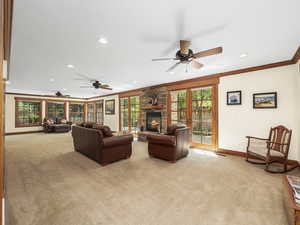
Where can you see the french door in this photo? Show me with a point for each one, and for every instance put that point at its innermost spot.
(130, 113)
(197, 108)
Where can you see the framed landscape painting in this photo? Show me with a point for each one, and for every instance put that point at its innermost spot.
(234, 97)
(265, 100)
(110, 107)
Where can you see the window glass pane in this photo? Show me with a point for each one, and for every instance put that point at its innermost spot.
(76, 112)
(56, 110)
(202, 115)
(28, 113)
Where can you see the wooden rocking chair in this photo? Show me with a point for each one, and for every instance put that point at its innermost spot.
(271, 150)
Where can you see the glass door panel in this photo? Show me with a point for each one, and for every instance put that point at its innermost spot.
(202, 118)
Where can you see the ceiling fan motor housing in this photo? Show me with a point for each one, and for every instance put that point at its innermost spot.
(184, 58)
(96, 84)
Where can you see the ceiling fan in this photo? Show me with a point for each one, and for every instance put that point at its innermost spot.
(186, 56)
(59, 94)
(92, 83)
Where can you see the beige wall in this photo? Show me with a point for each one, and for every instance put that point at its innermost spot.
(238, 121)
(10, 112)
(111, 120)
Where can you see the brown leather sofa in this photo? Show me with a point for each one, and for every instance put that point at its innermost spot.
(56, 125)
(96, 145)
(171, 146)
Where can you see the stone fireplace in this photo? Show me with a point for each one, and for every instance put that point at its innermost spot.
(158, 110)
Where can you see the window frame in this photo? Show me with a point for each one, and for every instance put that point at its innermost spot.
(16, 112)
(84, 110)
(103, 113)
(55, 101)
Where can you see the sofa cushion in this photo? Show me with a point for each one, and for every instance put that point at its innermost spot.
(89, 124)
(105, 130)
(117, 140)
(172, 128)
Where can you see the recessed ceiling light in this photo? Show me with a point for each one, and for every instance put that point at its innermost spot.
(70, 66)
(134, 81)
(172, 72)
(51, 79)
(64, 89)
(7, 82)
(103, 40)
(243, 55)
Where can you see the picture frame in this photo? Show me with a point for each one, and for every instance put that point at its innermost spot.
(234, 97)
(266, 100)
(110, 107)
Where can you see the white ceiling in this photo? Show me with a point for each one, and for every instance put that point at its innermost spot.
(50, 34)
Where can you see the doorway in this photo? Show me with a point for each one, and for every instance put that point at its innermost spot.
(197, 108)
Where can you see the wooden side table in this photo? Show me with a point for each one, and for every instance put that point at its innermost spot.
(291, 207)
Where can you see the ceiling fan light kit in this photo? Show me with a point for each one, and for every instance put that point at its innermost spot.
(186, 56)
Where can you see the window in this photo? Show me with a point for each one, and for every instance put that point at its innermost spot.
(28, 113)
(130, 113)
(178, 106)
(91, 112)
(134, 112)
(76, 112)
(124, 113)
(99, 112)
(56, 110)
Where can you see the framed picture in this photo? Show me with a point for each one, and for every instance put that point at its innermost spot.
(234, 97)
(110, 107)
(265, 100)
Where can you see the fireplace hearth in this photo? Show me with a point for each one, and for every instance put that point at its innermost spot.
(153, 121)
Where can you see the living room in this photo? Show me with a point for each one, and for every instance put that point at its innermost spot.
(183, 118)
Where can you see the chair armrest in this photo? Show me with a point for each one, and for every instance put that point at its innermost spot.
(117, 140)
(161, 139)
(262, 139)
(276, 143)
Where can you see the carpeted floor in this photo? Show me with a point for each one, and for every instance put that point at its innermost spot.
(49, 183)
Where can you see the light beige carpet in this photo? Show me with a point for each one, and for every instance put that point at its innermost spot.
(49, 183)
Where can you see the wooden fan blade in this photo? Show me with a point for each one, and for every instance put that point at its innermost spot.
(196, 64)
(104, 85)
(107, 88)
(209, 52)
(163, 59)
(173, 67)
(184, 47)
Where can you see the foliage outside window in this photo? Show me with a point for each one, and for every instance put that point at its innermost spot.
(134, 112)
(99, 112)
(56, 110)
(76, 112)
(178, 106)
(202, 115)
(124, 102)
(130, 113)
(28, 113)
(91, 112)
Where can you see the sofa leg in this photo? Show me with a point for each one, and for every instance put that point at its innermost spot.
(173, 161)
(103, 164)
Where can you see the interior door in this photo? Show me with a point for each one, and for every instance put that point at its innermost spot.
(197, 108)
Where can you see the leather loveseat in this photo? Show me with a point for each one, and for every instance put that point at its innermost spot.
(98, 143)
(171, 146)
(56, 126)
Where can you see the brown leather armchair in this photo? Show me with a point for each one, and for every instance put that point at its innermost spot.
(92, 143)
(171, 146)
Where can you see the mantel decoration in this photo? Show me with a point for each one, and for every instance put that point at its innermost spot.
(265, 100)
(234, 97)
(152, 94)
(110, 107)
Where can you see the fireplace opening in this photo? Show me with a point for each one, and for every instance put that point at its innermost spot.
(153, 121)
